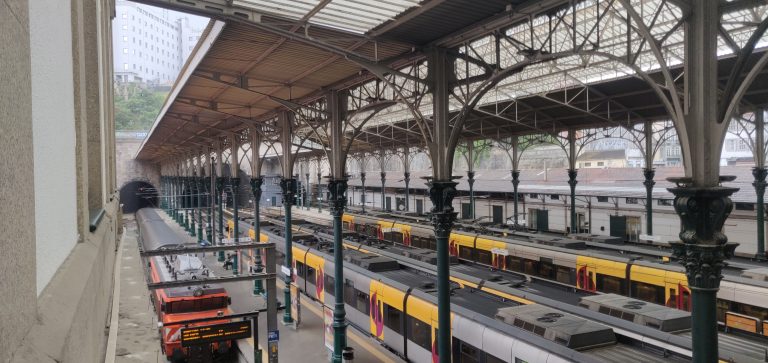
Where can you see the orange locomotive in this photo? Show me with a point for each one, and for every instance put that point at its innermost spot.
(179, 304)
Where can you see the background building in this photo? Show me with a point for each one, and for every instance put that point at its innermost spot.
(152, 44)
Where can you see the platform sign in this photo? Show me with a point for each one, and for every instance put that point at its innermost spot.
(328, 327)
(207, 334)
(273, 336)
(295, 304)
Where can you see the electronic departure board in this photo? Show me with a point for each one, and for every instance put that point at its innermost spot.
(197, 335)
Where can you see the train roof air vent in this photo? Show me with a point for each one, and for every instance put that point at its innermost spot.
(570, 330)
(640, 312)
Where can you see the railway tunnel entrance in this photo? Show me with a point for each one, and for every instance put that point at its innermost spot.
(138, 194)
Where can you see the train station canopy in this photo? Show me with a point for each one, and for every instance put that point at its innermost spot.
(565, 65)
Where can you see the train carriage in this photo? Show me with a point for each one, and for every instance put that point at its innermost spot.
(174, 306)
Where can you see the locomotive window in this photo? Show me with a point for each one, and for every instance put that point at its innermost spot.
(648, 292)
(465, 252)
(392, 319)
(610, 284)
(751, 310)
(199, 304)
(300, 269)
(546, 269)
(419, 333)
(329, 284)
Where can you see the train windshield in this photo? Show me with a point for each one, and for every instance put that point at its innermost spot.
(196, 305)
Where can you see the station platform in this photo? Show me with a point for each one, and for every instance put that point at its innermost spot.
(133, 333)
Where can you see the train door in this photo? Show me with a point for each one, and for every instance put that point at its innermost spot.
(678, 296)
(497, 212)
(419, 206)
(585, 273)
(618, 226)
(633, 228)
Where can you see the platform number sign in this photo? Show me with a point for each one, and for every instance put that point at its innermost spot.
(273, 336)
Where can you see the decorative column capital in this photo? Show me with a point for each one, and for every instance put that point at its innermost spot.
(759, 174)
(362, 177)
(338, 189)
(383, 176)
(649, 173)
(572, 173)
(442, 215)
(288, 188)
(471, 177)
(407, 176)
(220, 184)
(515, 177)
(704, 247)
(256, 187)
(234, 183)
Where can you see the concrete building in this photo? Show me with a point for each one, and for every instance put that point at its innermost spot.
(151, 45)
(60, 212)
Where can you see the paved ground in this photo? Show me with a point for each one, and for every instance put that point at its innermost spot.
(137, 339)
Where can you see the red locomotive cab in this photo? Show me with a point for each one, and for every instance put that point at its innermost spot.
(200, 305)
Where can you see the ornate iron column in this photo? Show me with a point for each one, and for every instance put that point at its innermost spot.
(256, 183)
(572, 183)
(319, 194)
(407, 180)
(649, 173)
(288, 187)
(199, 185)
(362, 181)
(187, 204)
(208, 185)
(307, 191)
(442, 193)
(220, 197)
(383, 180)
(234, 184)
(703, 251)
(515, 183)
(471, 182)
(338, 189)
(759, 184)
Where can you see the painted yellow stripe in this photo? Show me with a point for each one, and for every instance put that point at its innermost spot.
(351, 334)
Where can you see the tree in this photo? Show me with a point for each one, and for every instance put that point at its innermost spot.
(137, 108)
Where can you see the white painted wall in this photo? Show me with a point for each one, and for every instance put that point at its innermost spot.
(53, 125)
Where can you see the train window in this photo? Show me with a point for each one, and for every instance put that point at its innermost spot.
(483, 257)
(530, 267)
(514, 263)
(329, 283)
(751, 310)
(311, 275)
(546, 269)
(723, 306)
(491, 359)
(566, 275)
(362, 300)
(198, 304)
(392, 319)
(610, 284)
(465, 353)
(419, 333)
(648, 292)
(465, 252)
(349, 293)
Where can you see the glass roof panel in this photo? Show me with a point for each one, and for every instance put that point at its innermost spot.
(356, 16)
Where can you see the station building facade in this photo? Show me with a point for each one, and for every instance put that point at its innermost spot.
(59, 218)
